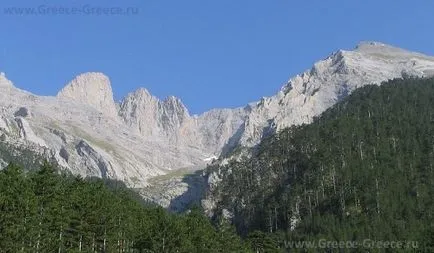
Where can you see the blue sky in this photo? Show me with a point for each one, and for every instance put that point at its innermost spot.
(211, 54)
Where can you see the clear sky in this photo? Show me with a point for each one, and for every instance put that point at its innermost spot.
(210, 53)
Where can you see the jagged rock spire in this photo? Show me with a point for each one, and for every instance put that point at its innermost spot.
(152, 116)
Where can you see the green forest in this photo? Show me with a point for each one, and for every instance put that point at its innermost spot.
(362, 170)
(44, 211)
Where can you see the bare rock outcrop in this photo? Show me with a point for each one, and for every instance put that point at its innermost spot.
(92, 89)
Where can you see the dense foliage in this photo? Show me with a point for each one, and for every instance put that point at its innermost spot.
(362, 170)
(42, 211)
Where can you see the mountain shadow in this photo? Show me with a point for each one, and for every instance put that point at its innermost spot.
(196, 188)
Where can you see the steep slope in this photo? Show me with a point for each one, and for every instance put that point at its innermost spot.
(151, 117)
(309, 94)
(169, 120)
(144, 137)
(92, 89)
(363, 169)
(4, 82)
(86, 140)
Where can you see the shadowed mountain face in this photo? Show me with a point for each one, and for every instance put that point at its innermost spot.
(142, 137)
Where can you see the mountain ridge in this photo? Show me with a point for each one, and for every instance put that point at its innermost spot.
(363, 168)
(142, 136)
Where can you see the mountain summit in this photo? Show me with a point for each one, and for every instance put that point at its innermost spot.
(143, 137)
(151, 116)
(91, 88)
(4, 82)
(312, 92)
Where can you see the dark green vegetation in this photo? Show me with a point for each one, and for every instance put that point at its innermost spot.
(42, 211)
(363, 170)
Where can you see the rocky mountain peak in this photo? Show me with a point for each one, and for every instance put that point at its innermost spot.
(92, 88)
(142, 92)
(383, 51)
(175, 104)
(370, 44)
(379, 47)
(4, 82)
(153, 136)
(138, 101)
(173, 99)
(141, 98)
(152, 116)
(329, 80)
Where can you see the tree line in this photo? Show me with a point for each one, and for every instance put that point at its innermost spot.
(361, 170)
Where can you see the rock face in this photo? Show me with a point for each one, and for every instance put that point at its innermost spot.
(151, 117)
(4, 82)
(144, 137)
(26, 132)
(92, 89)
(85, 137)
(22, 112)
(309, 94)
(170, 121)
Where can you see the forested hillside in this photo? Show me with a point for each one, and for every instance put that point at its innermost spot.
(43, 211)
(362, 170)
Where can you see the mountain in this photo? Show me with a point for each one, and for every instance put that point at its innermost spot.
(361, 170)
(92, 89)
(170, 121)
(142, 137)
(329, 80)
(85, 135)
